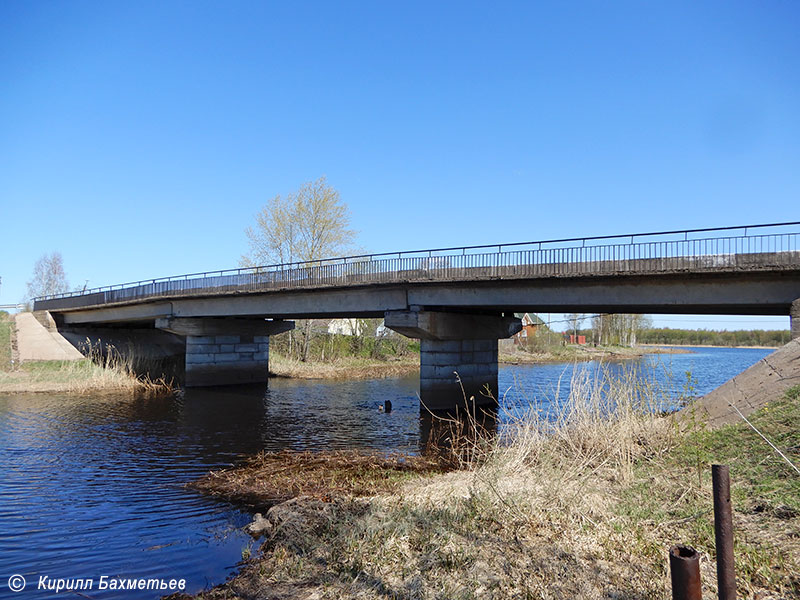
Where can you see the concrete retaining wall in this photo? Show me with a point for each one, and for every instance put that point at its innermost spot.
(751, 389)
(37, 342)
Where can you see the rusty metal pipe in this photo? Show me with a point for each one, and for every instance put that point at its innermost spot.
(684, 568)
(723, 532)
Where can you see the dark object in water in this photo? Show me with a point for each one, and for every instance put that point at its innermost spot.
(386, 406)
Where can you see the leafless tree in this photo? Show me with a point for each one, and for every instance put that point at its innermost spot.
(48, 276)
(619, 329)
(304, 226)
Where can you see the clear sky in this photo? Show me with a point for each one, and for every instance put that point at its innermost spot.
(140, 138)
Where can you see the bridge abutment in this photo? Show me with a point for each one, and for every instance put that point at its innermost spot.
(225, 351)
(794, 316)
(458, 355)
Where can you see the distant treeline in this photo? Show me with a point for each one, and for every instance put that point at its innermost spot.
(706, 337)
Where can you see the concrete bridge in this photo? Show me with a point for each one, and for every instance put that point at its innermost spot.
(457, 301)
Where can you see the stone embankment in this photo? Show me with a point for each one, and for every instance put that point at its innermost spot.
(750, 390)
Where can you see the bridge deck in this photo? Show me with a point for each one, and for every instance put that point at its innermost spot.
(774, 252)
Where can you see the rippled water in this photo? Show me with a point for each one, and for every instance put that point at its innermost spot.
(93, 486)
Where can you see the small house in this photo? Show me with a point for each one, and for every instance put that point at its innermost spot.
(530, 325)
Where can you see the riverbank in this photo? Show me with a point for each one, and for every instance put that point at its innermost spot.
(369, 368)
(585, 508)
(108, 375)
(76, 377)
(574, 353)
(707, 346)
(351, 367)
(6, 334)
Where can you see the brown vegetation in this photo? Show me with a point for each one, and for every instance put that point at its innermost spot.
(273, 477)
(107, 372)
(582, 507)
(352, 367)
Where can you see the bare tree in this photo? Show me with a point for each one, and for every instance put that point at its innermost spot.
(48, 276)
(618, 329)
(304, 226)
(308, 225)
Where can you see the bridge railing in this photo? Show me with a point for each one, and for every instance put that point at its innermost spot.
(751, 247)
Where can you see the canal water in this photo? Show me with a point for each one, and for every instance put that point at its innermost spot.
(93, 486)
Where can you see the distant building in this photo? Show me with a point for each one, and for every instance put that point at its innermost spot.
(573, 339)
(345, 326)
(530, 325)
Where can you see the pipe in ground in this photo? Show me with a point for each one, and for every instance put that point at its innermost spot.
(723, 532)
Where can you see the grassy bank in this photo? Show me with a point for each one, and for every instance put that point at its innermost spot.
(571, 353)
(76, 377)
(6, 323)
(358, 367)
(346, 367)
(103, 374)
(585, 507)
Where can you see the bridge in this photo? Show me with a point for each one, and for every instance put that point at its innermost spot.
(457, 301)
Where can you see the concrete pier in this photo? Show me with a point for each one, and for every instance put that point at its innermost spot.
(458, 355)
(225, 351)
(795, 319)
(443, 364)
(226, 359)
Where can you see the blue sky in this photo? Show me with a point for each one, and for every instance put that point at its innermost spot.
(139, 139)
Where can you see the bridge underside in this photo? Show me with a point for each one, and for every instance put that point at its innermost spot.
(460, 338)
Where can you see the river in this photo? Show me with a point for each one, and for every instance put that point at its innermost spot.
(93, 486)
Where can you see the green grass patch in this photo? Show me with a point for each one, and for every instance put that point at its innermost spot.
(45, 367)
(6, 323)
(761, 479)
(674, 494)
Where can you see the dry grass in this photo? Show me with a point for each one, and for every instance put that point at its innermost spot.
(585, 506)
(343, 368)
(273, 477)
(102, 372)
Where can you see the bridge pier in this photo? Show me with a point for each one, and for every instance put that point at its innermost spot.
(225, 351)
(456, 351)
(794, 316)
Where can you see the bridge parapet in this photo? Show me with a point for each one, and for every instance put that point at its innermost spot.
(733, 249)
